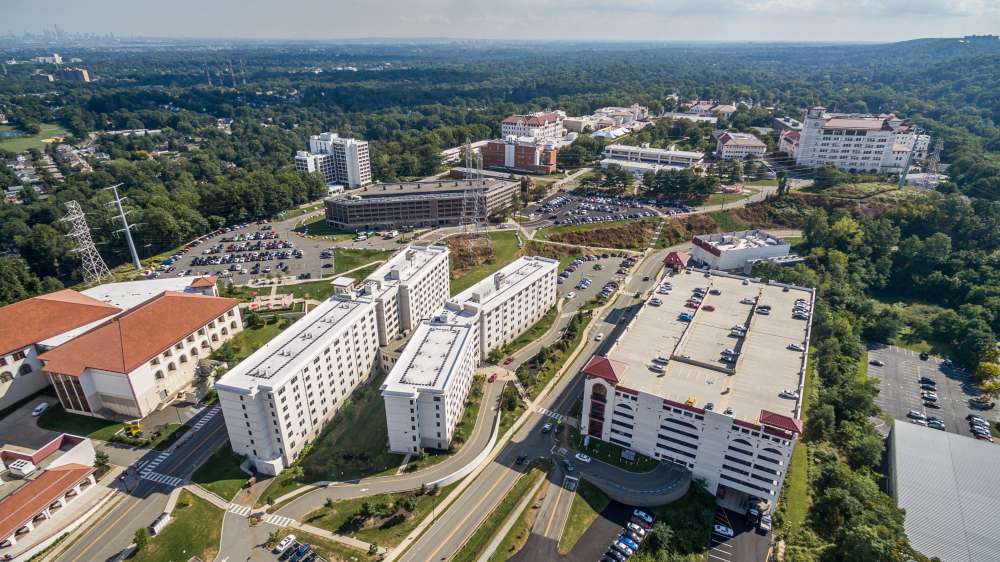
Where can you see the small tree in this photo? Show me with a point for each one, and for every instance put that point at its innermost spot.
(101, 459)
(141, 539)
(372, 549)
(328, 503)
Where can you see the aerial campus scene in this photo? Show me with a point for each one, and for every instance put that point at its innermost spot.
(656, 281)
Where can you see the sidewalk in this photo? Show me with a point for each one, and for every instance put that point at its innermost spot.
(349, 541)
(511, 520)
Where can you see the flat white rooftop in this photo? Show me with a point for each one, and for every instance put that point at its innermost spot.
(741, 240)
(695, 371)
(510, 279)
(432, 354)
(289, 351)
(406, 264)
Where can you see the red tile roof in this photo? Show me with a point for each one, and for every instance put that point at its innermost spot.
(533, 120)
(127, 341)
(42, 317)
(607, 369)
(677, 258)
(871, 123)
(780, 421)
(29, 500)
(204, 282)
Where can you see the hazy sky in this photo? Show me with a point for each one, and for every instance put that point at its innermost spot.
(758, 20)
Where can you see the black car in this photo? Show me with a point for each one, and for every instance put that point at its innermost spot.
(924, 356)
(520, 459)
(927, 380)
(932, 405)
(289, 551)
(615, 555)
(925, 386)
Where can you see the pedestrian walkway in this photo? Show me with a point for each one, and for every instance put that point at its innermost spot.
(147, 467)
(171, 481)
(549, 413)
(241, 510)
(279, 520)
(209, 414)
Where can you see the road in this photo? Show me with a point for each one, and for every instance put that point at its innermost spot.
(147, 486)
(445, 537)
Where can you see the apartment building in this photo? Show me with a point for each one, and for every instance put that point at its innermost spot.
(738, 146)
(131, 364)
(857, 142)
(341, 160)
(788, 142)
(715, 391)
(526, 154)
(71, 74)
(511, 300)
(539, 125)
(418, 204)
(277, 400)
(426, 390)
(408, 288)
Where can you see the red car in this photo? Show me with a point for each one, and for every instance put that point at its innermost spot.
(508, 360)
(492, 378)
(708, 308)
(690, 304)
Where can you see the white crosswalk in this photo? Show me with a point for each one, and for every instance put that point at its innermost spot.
(238, 509)
(278, 520)
(549, 413)
(147, 467)
(171, 481)
(211, 413)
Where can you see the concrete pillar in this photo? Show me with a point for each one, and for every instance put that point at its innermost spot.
(61, 502)
(76, 489)
(12, 539)
(30, 526)
(90, 478)
(47, 513)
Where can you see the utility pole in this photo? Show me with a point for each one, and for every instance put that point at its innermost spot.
(126, 227)
(243, 69)
(94, 268)
(209, 76)
(906, 169)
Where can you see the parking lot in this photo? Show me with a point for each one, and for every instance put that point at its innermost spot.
(567, 208)
(746, 544)
(249, 251)
(571, 283)
(900, 391)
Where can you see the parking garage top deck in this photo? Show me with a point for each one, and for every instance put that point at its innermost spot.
(695, 372)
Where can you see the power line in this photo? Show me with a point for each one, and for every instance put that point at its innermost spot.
(94, 268)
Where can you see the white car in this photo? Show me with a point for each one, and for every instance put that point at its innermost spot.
(916, 414)
(796, 347)
(633, 528)
(582, 457)
(789, 394)
(599, 337)
(723, 530)
(570, 294)
(40, 409)
(284, 543)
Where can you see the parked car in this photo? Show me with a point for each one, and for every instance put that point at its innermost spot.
(547, 428)
(284, 543)
(916, 414)
(924, 356)
(628, 542)
(723, 530)
(599, 336)
(643, 516)
(40, 409)
(582, 458)
(876, 363)
(623, 548)
(796, 347)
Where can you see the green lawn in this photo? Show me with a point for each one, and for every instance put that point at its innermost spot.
(57, 419)
(319, 228)
(195, 530)
(519, 533)
(221, 474)
(248, 341)
(346, 259)
(530, 335)
(504, 251)
(299, 211)
(169, 434)
(484, 534)
(339, 518)
(588, 226)
(612, 454)
(318, 290)
(354, 444)
(727, 221)
(795, 498)
(535, 381)
(587, 505)
(23, 143)
(720, 198)
(468, 422)
(509, 415)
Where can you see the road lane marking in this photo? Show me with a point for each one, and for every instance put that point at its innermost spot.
(483, 498)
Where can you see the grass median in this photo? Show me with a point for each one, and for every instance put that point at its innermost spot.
(520, 531)
(195, 530)
(477, 543)
(469, 266)
(588, 503)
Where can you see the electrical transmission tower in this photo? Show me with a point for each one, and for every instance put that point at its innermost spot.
(94, 268)
(933, 166)
(126, 227)
(474, 207)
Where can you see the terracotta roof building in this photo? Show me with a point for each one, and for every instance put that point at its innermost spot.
(129, 365)
(738, 146)
(541, 125)
(26, 329)
(35, 502)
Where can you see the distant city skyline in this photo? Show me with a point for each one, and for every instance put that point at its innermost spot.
(600, 20)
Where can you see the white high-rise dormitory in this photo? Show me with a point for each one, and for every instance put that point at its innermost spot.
(426, 390)
(858, 142)
(340, 160)
(279, 398)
